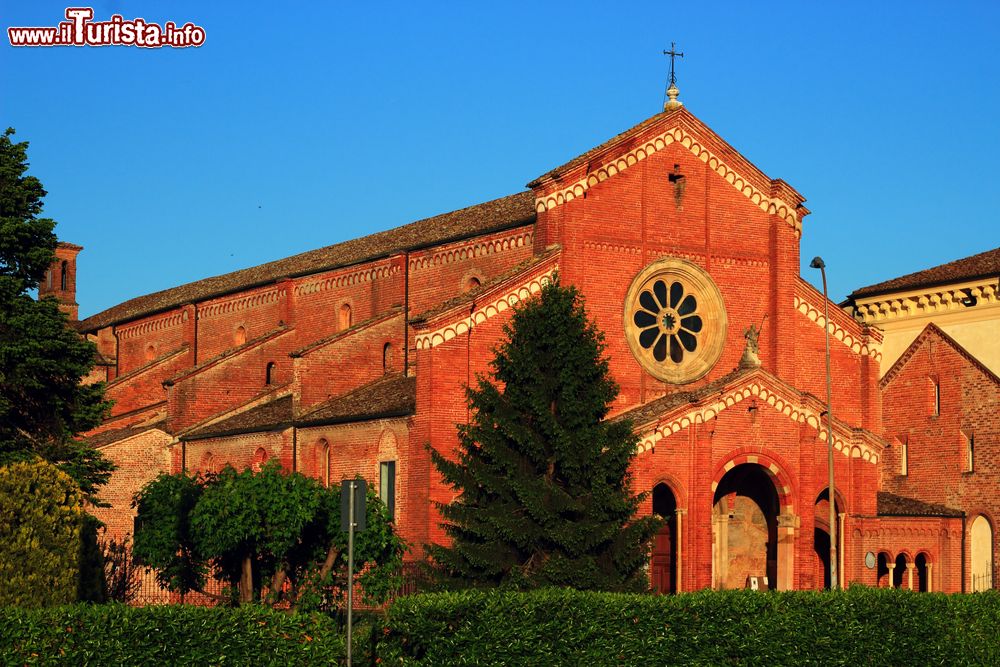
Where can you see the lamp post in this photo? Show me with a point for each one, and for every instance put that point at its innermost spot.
(818, 263)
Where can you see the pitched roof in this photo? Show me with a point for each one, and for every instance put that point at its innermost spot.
(985, 264)
(106, 438)
(264, 417)
(498, 214)
(933, 330)
(889, 504)
(393, 395)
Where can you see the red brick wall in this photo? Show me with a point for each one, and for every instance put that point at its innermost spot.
(239, 451)
(369, 289)
(144, 385)
(442, 272)
(147, 338)
(230, 381)
(347, 362)
(139, 459)
(258, 311)
(970, 404)
(358, 449)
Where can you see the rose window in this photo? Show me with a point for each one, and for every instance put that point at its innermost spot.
(675, 320)
(668, 321)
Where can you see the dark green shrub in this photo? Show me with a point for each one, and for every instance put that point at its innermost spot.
(40, 535)
(91, 584)
(115, 634)
(562, 627)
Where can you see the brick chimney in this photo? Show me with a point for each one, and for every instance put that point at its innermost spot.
(60, 280)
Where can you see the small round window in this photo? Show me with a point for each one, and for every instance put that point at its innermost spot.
(675, 321)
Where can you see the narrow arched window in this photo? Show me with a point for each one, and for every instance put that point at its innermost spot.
(345, 316)
(325, 462)
(150, 353)
(269, 373)
(260, 457)
(969, 451)
(934, 397)
(64, 279)
(240, 336)
(48, 279)
(387, 357)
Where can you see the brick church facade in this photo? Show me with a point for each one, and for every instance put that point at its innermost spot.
(352, 358)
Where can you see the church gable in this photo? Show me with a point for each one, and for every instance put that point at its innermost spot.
(679, 129)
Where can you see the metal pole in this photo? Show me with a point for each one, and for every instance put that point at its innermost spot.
(818, 263)
(350, 571)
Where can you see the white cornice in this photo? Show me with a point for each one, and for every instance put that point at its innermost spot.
(927, 302)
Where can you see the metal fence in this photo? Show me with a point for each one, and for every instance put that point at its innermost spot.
(149, 592)
(982, 581)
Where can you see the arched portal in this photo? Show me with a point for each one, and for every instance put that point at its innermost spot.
(981, 554)
(664, 562)
(745, 528)
(821, 535)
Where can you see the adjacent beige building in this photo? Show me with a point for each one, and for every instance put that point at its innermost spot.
(961, 297)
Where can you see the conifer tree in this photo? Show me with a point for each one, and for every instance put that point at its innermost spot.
(545, 489)
(43, 406)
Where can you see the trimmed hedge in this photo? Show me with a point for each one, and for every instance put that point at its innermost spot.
(860, 626)
(115, 634)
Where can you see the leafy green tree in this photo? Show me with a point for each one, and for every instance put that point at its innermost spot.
(258, 530)
(163, 538)
(41, 519)
(43, 406)
(545, 497)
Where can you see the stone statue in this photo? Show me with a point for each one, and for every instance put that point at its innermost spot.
(751, 352)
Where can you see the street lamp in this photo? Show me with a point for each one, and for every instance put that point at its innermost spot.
(818, 263)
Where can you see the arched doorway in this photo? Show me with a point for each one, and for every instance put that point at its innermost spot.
(664, 561)
(745, 528)
(821, 536)
(981, 554)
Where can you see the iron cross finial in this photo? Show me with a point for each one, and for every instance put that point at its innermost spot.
(670, 101)
(673, 53)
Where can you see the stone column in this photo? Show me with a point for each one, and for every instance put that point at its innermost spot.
(787, 523)
(891, 567)
(720, 549)
(679, 550)
(842, 577)
(909, 575)
(930, 577)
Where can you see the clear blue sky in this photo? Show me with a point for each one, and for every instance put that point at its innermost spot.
(302, 124)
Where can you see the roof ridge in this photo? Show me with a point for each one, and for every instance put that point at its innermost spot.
(980, 265)
(485, 217)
